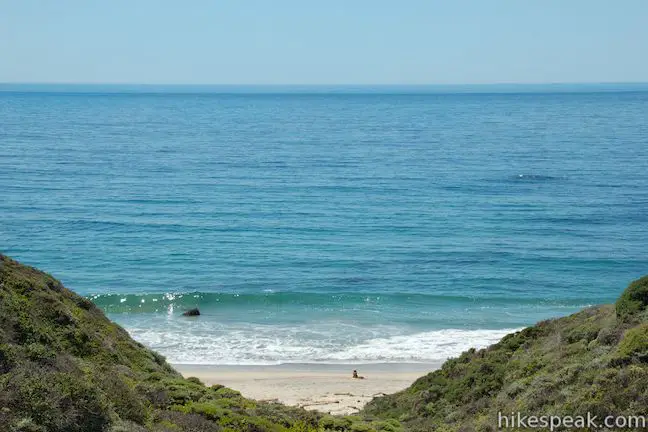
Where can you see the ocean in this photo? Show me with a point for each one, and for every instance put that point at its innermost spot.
(327, 226)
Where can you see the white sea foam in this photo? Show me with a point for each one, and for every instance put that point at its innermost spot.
(420, 347)
(200, 343)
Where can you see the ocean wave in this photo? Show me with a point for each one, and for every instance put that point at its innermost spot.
(163, 302)
(272, 345)
(422, 347)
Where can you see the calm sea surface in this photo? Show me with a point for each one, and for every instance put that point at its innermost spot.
(327, 227)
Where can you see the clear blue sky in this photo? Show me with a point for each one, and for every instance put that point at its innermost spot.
(323, 42)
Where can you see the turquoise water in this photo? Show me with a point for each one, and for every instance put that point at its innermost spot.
(327, 227)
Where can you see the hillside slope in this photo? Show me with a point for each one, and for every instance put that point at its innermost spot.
(594, 361)
(64, 367)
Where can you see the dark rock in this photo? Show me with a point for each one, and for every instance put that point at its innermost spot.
(192, 312)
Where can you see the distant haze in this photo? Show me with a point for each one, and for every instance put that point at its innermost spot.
(334, 42)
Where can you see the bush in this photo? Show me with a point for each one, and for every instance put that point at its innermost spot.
(8, 357)
(227, 393)
(126, 426)
(331, 423)
(608, 336)
(208, 410)
(126, 402)
(361, 427)
(195, 380)
(178, 421)
(39, 353)
(634, 343)
(59, 402)
(27, 425)
(390, 425)
(633, 300)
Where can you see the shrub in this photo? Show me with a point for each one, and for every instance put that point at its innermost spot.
(39, 353)
(361, 427)
(285, 416)
(586, 332)
(302, 427)
(178, 421)
(126, 402)
(194, 380)
(390, 425)
(634, 343)
(227, 393)
(331, 423)
(209, 410)
(126, 426)
(60, 402)
(27, 425)
(608, 336)
(8, 357)
(633, 300)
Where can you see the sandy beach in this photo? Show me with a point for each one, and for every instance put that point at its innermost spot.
(325, 388)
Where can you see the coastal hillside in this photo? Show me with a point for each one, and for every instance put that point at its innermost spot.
(595, 361)
(64, 367)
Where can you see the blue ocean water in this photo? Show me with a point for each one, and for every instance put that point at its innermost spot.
(326, 226)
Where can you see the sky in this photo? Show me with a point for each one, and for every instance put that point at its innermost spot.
(323, 42)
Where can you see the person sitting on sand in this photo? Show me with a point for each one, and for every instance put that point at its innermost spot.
(356, 376)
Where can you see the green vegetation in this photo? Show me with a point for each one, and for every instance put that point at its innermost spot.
(634, 299)
(594, 361)
(65, 367)
(634, 343)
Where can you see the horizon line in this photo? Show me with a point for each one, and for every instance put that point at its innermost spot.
(321, 89)
(502, 83)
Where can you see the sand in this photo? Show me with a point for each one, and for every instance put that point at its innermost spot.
(325, 388)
